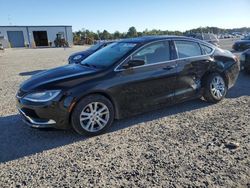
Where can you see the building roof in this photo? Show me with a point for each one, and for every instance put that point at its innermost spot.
(35, 26)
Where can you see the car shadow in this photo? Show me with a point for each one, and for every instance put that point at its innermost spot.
(17, 140)
(165, 112)
(30, 73)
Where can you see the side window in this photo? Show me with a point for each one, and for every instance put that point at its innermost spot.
(206, 49)
(187, 49)
(154, 53)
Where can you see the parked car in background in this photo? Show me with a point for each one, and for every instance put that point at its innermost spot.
(208, 37)
(246, 37)
(79, 56)
(242, 44)
(245, 60)
(126, 78)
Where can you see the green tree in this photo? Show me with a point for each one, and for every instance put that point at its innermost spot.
(132, 32)
(117, 35)
(105, 35)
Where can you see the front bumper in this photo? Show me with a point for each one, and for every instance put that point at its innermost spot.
(36, 123)
(44, 115)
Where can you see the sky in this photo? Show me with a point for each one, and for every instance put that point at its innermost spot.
(119, 15)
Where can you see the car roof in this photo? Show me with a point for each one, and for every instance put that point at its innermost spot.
(146, 39)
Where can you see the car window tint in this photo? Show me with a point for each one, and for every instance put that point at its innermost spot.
(154, 53)
(187, 49)
(95, 46)
(206, 49)
(107, 56)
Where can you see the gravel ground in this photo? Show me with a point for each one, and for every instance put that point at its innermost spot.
(187, 145)
(227, 43)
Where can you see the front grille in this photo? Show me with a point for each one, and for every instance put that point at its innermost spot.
(20, 93)
(29, 112)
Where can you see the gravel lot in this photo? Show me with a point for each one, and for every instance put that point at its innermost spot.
(187, 145)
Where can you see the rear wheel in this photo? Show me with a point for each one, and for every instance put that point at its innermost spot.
(92, 115)
(215, 88)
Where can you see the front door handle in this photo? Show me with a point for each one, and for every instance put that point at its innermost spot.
(169, 67)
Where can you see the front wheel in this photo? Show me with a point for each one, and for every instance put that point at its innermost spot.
(93, 115)
(215, 88)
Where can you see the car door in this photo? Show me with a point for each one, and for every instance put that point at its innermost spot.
(146, 87)
(192, 63)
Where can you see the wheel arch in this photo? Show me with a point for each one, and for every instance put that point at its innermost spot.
(105, 94)
(222, 73)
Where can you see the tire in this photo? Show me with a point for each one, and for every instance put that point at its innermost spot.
(213, 92)
(93, 115)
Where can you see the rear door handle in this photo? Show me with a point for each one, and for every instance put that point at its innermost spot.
(169, 67)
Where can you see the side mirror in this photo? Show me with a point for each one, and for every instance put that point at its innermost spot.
(134, 63)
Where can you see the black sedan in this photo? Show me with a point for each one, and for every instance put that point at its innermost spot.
(79, 56)
(128, 77)
(245, 60)
(242, 45)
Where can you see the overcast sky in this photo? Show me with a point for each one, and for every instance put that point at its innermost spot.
(119, 15)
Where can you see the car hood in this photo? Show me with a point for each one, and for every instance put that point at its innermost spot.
(65, 76)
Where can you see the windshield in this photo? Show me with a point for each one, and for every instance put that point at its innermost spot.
(95, 47)
(109, 55)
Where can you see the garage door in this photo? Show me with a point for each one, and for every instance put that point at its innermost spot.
(16, 38)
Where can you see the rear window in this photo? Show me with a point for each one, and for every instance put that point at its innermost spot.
(206, 49)
(187, 49)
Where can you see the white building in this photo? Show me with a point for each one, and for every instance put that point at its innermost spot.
(34, 36)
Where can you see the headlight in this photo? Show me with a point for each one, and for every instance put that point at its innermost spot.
(243, 57)
(77, 57)
(44, 96)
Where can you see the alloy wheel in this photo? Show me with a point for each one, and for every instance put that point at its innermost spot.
(94, 116)
(217, 87)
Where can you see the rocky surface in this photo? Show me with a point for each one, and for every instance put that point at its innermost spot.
(186, 145)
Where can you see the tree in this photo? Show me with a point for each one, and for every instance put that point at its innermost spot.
(86, 36)
(117, 35)
(77, 39)
(98, 33)
(132, 32)
(105, 35)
